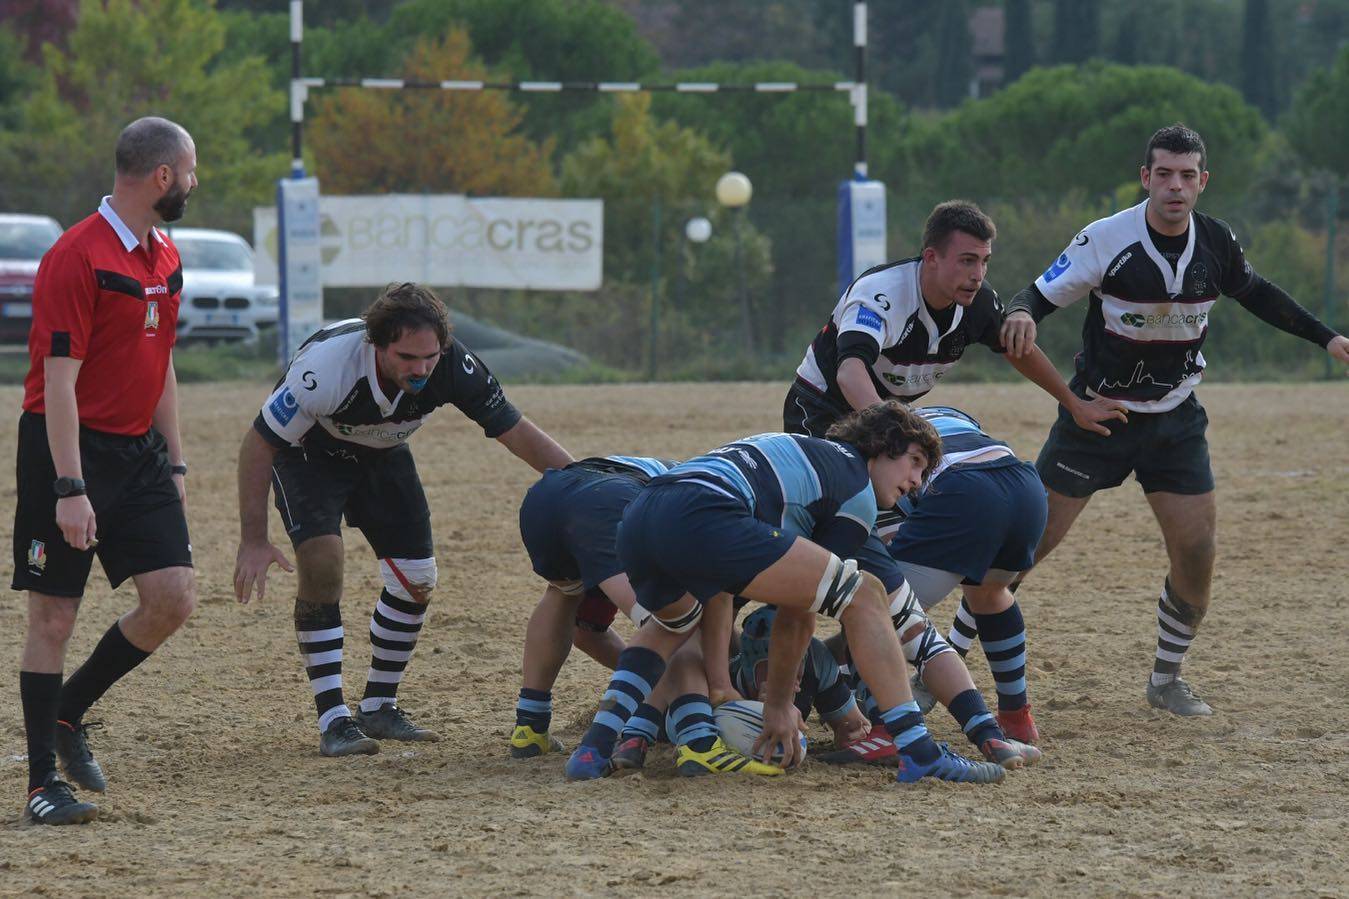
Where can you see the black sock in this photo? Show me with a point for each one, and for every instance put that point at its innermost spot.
(40, 693)
(111, 659)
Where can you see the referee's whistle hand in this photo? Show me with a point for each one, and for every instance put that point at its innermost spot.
(75, 518)
(250, 569)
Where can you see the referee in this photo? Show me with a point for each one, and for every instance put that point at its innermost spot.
(100, 461)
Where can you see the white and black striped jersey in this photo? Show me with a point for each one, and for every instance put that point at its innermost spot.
(330, 397)
(1147, 321)
(883, 320)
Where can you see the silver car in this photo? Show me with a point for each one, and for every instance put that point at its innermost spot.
(23, 241)
(220, 300)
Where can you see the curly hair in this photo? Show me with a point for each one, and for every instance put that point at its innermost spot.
(403, 308)
(888, 429)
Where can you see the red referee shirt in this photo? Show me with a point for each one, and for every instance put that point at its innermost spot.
(101, 297)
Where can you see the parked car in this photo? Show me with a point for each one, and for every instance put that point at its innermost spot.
(220, 300)
(23, 240)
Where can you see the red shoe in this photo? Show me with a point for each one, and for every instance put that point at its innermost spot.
(876, 748)
(1019, 725)
(1011, 754)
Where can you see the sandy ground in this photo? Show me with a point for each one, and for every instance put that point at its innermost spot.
(217, 787)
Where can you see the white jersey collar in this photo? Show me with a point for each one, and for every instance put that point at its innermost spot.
(124, 234)
(934, 334)
(1174, 278)
(386, 406)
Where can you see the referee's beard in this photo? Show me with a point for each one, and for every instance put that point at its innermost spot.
(172, 205)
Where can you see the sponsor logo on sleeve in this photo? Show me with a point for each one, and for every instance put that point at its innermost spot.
(868, 319)
(310, 382)
(1061, 265)
(1081, 239)
(283, 406)
(882, 301)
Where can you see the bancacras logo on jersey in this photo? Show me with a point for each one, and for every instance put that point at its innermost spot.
(283, 406)
(1061, 265)
(1167, 320)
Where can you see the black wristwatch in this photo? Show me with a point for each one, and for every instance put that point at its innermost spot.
(65, 487)
(180, 468)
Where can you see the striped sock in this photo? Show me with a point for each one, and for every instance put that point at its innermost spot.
(535, 709)
(644, 723)
(394, 628)
(1177, 623)
(905, 725)
(1003, 636)
(975, 720)
(690, 722)
(635, 677)
(319, 630)
(963, 630)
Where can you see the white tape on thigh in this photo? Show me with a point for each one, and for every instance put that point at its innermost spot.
(420, 573)
(920, 640)
(569, 588)
(684, 623)
(837, 588)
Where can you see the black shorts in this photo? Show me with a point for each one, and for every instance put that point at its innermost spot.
(1166, 451)
(379, 493)
(141, 525)
(809, 412)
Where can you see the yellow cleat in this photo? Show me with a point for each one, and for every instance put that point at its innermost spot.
(720, 759)
(527, 743)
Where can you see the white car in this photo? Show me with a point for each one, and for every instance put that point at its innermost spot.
(220, 300)
(23, 241)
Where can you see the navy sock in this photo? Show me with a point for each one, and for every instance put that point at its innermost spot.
(534, 709)
(1003, 637)
(644, 723)
(112, 658)
(972, 715)
(905, 725)
(690, 722)
(40, 693)
(638, 671)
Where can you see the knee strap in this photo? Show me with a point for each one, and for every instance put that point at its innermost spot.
(837, 588)
(920, 640)
(402, 576)
(684, 623)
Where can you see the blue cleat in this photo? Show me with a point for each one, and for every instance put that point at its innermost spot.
(949, 766)
(586, 763)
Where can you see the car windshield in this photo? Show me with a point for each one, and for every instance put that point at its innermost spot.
(214, 255)
(27, 240)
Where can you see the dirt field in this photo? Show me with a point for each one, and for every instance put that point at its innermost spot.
(217, 787)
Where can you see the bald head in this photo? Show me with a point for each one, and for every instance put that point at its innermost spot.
(150, 142)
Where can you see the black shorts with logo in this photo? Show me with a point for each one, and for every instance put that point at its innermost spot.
(1166, 451)
(140, 520)
(809, 412)
(378, 492)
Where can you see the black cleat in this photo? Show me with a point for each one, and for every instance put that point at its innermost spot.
(72, 748)
(389, 722)
(345, 737)
(53, 803)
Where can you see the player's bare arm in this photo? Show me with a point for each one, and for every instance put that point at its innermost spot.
(74, 514)
(715, 633)
(855, 381)
(792, 630)
(1088, 414)
(256, 554)
(529, 442)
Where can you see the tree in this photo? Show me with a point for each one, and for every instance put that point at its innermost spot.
(1317, 125)
(1019, 41)
(1077, 30)
(124, 60)
(39, 22)
(1085, 128)
(1257, 58)
(955, 65)
(367, 141)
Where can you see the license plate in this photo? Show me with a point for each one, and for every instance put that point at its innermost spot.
(17, 310)
(222, 318)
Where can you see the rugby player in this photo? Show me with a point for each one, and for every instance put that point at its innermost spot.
(778, 518)
(1153, 272)
(332, 440)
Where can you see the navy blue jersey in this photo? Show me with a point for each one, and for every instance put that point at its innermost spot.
(809, 487)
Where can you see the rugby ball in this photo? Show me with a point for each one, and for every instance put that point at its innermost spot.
(740, 723)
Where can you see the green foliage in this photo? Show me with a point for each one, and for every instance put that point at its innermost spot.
(125, 60)
(1318, 123)
(1084, 128)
